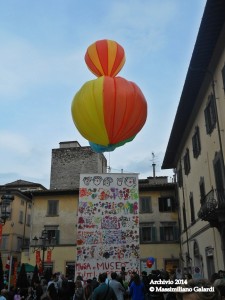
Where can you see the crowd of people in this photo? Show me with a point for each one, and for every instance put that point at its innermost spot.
(120, 286)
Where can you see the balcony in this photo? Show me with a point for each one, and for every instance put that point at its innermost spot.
(213, 207)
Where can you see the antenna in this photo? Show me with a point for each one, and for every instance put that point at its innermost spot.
(153, 164)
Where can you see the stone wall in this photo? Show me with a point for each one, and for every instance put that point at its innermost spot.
(71, 160)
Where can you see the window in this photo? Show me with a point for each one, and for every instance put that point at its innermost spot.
(22, 202)
(145, 205)
(19, 243)
(53, 208)
(70, 269)
(187, 165)
(192, 208)
(4, 242)
(26, 243)
(210, 115)
(218, 171)
(48, 266)
(202, 189)
(223, 76)
(28, 220)
(21, 217)
(53, 234)
(168, 232)
(196, 143)
(147, 233)
(166, 204)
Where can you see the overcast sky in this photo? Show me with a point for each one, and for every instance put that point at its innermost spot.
(42, 48)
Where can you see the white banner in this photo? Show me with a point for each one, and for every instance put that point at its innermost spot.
(108, 224)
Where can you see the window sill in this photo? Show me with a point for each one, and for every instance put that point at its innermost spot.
(52, 215)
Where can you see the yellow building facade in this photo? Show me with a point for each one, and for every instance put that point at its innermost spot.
(54, 211)
(196, 148)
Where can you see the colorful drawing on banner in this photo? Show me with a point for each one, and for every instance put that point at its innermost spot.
(108, 224)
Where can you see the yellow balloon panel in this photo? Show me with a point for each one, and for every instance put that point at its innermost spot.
(88, 114)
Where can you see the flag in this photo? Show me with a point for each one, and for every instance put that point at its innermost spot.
(49, 256)
(7, 266)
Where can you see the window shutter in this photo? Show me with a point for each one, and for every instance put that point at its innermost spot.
(218, 175)
(213, 110)
(57, 233)
(175, 233)
(223, 76)
(173, 205)
(153, 234)
(207, 121)
(161, 233)
(160, 204)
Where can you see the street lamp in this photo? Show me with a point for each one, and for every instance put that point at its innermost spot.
(46, 243)
(5, 207)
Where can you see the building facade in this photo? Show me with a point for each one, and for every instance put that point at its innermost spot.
(196, 148)
(53, 212)
(42, 229)
(15, 233)
(58, 210)
(159, 224)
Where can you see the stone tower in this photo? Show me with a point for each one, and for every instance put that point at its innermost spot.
(70, 160)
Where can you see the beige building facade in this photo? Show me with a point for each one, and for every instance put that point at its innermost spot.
(159, 224)
(16, 230)
(196, 149)
(53, 211)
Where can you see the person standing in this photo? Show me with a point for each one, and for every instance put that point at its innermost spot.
(137, 288)
(117, 287)
(38, 289)
(79, 290)
(103, 291)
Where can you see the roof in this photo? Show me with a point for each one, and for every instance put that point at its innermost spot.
(210, 28)
(55, 192)
(21, 184)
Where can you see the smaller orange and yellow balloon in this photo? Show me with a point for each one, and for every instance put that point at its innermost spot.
(105, 57)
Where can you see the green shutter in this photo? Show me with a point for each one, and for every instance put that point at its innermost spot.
(153, 234)
(175, 233)
(161, 204)
(207, 120)
(161, 233)
(57, 237)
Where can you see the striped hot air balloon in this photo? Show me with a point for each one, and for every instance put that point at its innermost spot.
(105, 57)
(108, 111)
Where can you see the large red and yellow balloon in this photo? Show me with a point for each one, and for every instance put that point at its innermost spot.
(108, 111)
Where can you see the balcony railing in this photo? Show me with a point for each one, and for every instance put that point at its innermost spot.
(208, 208)
(212, 205)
